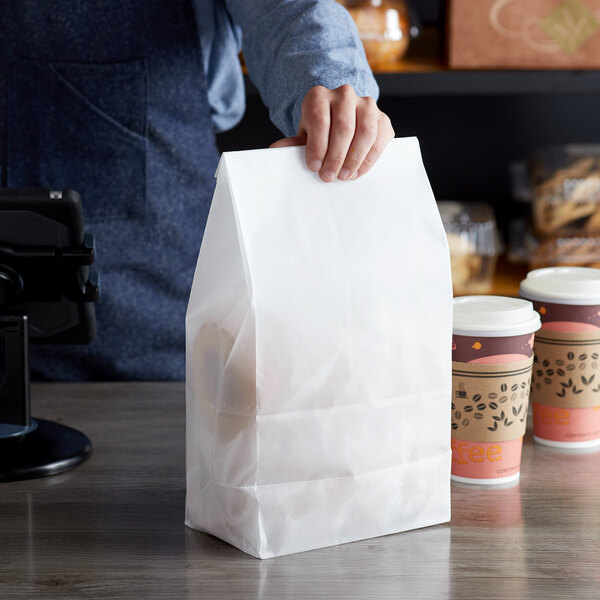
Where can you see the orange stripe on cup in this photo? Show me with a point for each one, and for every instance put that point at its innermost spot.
(566, 424)
(486, 460)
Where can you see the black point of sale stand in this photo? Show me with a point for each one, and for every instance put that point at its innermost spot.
(40, 278)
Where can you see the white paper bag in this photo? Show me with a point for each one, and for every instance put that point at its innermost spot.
(318, 355)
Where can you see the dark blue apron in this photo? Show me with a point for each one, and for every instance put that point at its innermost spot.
(109, 98)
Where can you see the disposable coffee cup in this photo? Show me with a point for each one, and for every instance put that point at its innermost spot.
(492, 355)
(565, 392)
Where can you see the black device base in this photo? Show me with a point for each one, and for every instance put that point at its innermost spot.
(49, 449)
(46, 293)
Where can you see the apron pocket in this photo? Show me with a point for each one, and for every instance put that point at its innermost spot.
(80, 126)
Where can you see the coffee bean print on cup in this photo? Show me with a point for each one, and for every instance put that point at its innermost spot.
(490, 401)
(565, 392)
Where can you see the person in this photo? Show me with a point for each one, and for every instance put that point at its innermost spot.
(120, 100)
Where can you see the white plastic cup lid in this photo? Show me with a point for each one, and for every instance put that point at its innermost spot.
(563, 285)
(494, 316)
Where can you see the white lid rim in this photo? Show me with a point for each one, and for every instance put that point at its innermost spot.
(494, 316)
(578, 286)
(558, 299)
(499, 333)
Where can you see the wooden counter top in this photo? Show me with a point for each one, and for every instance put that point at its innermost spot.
(113, 527)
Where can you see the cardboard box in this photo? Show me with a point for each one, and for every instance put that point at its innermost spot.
(524, 34)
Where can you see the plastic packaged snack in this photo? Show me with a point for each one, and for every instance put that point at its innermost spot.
(474, 245)
(566, 190)
(563, 251)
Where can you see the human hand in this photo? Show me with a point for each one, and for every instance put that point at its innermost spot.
(344, 133)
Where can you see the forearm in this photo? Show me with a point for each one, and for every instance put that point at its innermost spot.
(290, 46)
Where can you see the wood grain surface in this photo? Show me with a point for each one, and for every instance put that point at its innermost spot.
(113, 527)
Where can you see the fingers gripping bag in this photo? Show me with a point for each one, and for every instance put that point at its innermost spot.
(319, 332)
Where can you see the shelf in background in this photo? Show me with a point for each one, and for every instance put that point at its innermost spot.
(422, 72)
(482, 83)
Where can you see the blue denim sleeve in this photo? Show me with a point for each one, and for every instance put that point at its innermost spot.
(220, 41)
(292, 45)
